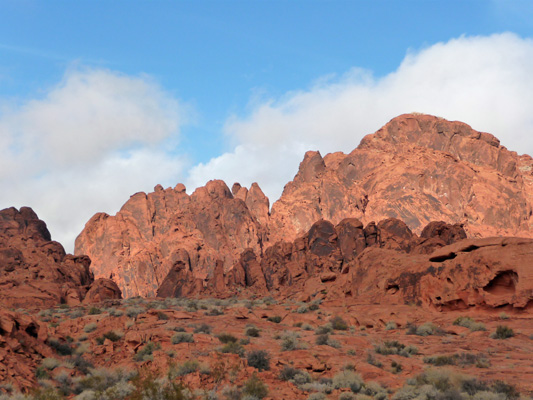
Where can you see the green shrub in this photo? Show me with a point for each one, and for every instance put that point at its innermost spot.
(427, 329)
(395, 347)
(252, 331)
(338, 324)
(226, 338)
(469, 323)
(94, 311)
(134, 311)
(324, 329)
(182, 337)
(391, 325)
(259, 359)
(50, 363)
(161, 316)
(290, 341)
(276, 319)
(89, 327)
(203, 328)
(396, 367)
(155, 389)
(255, 387)
(288, 373)
(348, 380)
(502, 332)
(113, 336)
(233, 347)
(188, 367)
(145, 353)
(63, 349)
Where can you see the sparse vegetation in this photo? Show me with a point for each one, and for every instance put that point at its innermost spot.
(255, 387)
(182, 337)
(469, 323)
(259, 359)
(502, 332)
(395, 347)
(276, 319)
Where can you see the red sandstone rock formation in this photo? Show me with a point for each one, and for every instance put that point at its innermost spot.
(417, 168)
(154, 233)
(36, 272)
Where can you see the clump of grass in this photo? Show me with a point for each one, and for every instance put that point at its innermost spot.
(233, 347)
(502, 332)
(203, 328)
(182, 337)
(469, 323)
(89, 327)
(395, 347)
(276, 319)
(327, 341)
(226, 338)
(259, 359)
(255, 388)
(396, 367)
(188, 367)
(391, 325)
(252, 331)
(145, 353)
(348, 380)
(290, 341)
(338, 324)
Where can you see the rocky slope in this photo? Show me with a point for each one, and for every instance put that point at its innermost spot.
(417, 168)
(36, 272)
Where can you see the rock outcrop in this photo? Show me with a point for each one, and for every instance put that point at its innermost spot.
(167, 229)
(416, 169)
(36, 272)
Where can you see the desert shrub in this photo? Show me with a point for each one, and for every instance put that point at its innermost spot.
(188, 367)
(252, 331)
(177, 328)
(469, 323)
(203, 328)
(60, 348)
(306, 327)
(113, 336)
(50, 363)
(276, 319)
(233, 347)
(134, 311)
(89, 327)
(324, 329)
(81, 364)
(76, 314)
(502, 332)
(326, 340)
(288, 373)
(115, 312)
(214, 312)
(145, 353)
(259, 359)
(504, 315)
(157, 389)
(338, 324)
(373, 360)
(231, 393)
(226, 338)
(161, 316)
(508, 390)
(348, 380)
(102, 381)
(317, 396)
(395, 347)
(255, 387)
(302, 309)
(396, 367)
(182, 337)
(427, 329)
(347, 396)
(301, 378)
(390, 326)
(289, 341)
(94, 311)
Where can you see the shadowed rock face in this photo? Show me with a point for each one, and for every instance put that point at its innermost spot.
(36, 272)
(416, 169)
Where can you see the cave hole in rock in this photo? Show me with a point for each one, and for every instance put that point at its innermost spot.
(32, 330)
(504, 283)
(392, 289)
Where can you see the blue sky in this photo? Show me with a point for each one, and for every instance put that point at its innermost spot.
(100, 99)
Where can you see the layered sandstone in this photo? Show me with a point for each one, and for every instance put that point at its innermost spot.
(36, 272)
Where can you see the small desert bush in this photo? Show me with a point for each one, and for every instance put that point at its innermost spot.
(89, 327)
(348, 380)
(290, 341)
(288, 373)
(276, 319)
(233, 347)
(182, 337)
(134, 311)
(113, 336)
(326, 340)
(94, 311)
(255, 387)
(390, 326)
(502, 332)
(252, 331)
(338, 324)
(259, 359)
(60, 347)
(226, 338)
(203, 328)
(188, 367)
(395, 347)
(469, 323)
(324, 329)
(145, 353)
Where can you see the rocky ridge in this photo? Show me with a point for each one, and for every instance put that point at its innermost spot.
(417, 169)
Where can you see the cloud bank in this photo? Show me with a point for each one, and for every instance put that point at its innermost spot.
(484, 81)
(88, 144)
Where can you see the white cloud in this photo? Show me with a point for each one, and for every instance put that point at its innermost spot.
(86, 146)
(484, 81)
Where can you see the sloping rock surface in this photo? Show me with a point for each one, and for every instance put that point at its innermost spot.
(35, 271)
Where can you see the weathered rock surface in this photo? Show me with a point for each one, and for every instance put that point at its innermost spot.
(35, 271)
(170, 230)
(417, 168)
